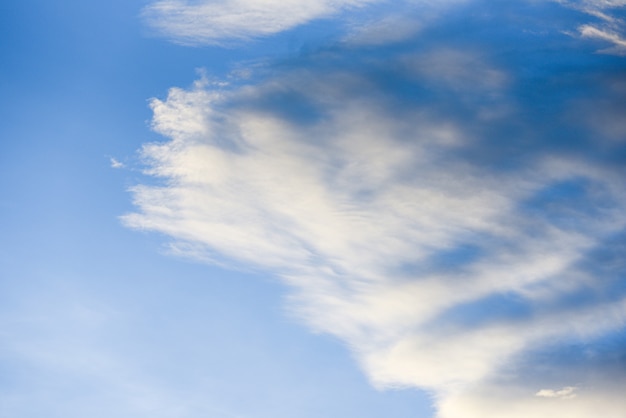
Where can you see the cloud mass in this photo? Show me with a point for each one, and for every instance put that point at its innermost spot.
(439, 208)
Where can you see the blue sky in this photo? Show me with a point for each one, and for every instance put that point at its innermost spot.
(351, 208)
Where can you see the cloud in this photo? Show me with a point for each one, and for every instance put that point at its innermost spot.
(492, 403)
(115, 163)
(565, 393)
(386, 30)
(609, 26)
(214, 22)
(380, 24)
(434, 206)
(619, 48)
(225, 22)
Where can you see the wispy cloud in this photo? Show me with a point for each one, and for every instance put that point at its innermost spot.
(436, 209)
(385, 30)
(214, 22)
(619, 43)
(567, 392)
(609, 27)
(115, 163)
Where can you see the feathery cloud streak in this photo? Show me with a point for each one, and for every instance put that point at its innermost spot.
(456, 218)
(211, 22)
(609, 27)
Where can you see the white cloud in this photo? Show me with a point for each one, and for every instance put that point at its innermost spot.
(568, 392)
(115, 163)
(225, 21)
(493, 402)
(380, 213)
(366, 210)
(610, 28)
(593, 5)
(619, 48)
(212, 22)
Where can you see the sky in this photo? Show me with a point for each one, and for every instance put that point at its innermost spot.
(323, 208)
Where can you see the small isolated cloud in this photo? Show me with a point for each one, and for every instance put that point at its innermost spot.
(215, 22)
(434, 206)
(115, 163)
(568, 392)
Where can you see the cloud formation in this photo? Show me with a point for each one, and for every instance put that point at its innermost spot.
(609, 27)
(115, 163)
(442, 210)
(619, 43)
(567, 392)
(214, 22)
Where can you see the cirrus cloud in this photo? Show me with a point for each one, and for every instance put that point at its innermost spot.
(437, 208)
(213, 22)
